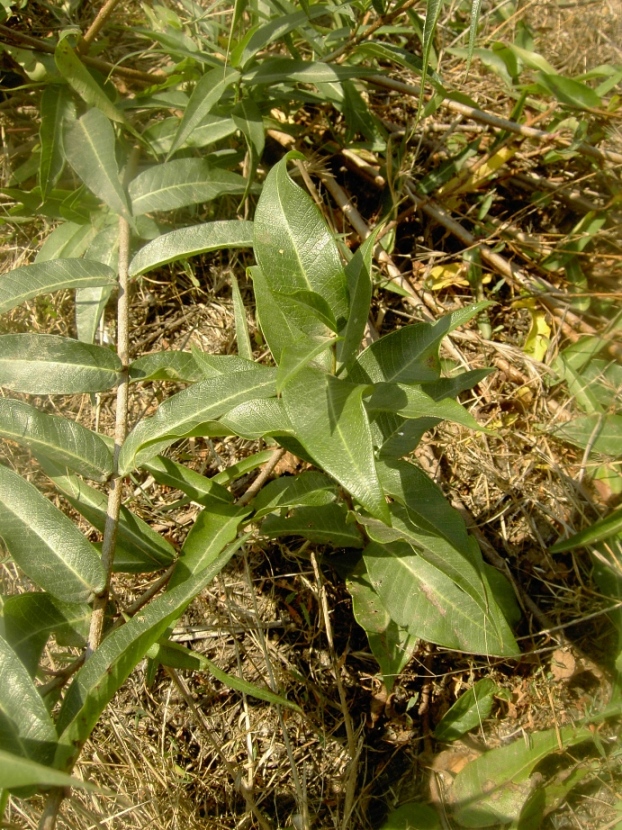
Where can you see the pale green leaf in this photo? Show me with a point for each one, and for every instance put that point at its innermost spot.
(193, 484)
(46, 277)
(46, 545)
(21, 772)
(211, 129)
(311, 489)
(296, 356)
(187, 242)
(412, 816)
(212, 365)
(90, 146)
(599, 531)
(26, 728)
(215, 526)
(110, 665)
(182, 413)
(603, 433)
(570, 92)
(182, 182)
(45, 364)
(166, 366)
(245, 350)
(206, 94)
(290, 70)
(64, 441)
(241, 468)
(257, 419)
(329, 421)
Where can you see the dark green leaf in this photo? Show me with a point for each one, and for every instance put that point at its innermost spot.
(599, 531)
(56, 105)
(311, 489)
(46, 545)
(296, 356)
(413, 816)
(186, 242)
(30, 619)
(215, 526)
(313, 304)
(469, 711)
(45, 364)
(288, 70)
(358, 277)
(330, 422)
(166, 366)
(326, 525)
(169, 472)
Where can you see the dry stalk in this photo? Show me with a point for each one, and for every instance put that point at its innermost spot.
(97, 25)
(353, 750)
(261, 479)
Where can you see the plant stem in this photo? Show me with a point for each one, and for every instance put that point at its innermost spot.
(116, 485)
(100, 20)
(50, 812)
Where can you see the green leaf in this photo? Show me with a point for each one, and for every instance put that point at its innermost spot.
(325, 525)
(20, 772)
(30, 619)
(391, 645)
(207, 93)
(90, 145)
(296, 356)
(79, 78)
(212, 128)
(293, 246)
(602, 433)
(261, 36)
(56, 105)
(410, 354)
(570, 92)
(413, 816)
(433, 10)
(599, 531)
(426, 601)
(311, 489)
(139, 548)
(494, 788)
(257, 419)
(64, 441)
(182, 413)
(212, 365)
(46, 277)
(45, 364)
(245, 350)
(359, 282)
(182, 182)
(469, 711)
(166, 366)
(475, 13)
(288, 70)
(313, 304)
(330, 422)
(26, 728)
(187, 242)
(46, 545)
(197, 487)
(110, 665)
(215, 526)
(413, 402)
(241, 468)
(247, 118)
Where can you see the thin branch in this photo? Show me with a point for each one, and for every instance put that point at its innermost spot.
(101, 18)
(261, 479)
(501, 123)
(50, 812)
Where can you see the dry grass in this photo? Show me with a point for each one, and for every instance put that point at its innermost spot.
(165, 763)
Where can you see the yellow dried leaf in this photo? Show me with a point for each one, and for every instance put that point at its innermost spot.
(442, 276)
(539, 337)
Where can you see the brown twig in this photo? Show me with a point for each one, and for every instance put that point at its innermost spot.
(96, 26)
(261, 479)
(501, 123)
(50, 812)
(381, 21)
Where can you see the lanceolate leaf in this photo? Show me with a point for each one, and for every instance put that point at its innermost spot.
(215, 526)
(58, 438)
(598, 532)
(187, 410)
(258, 419)
(139, 548)
(358, 276)
(26, 728)
(166, 366)
(45, 364)
(46, 277)
(410, 354)
(245, 350)
(55, 106)
(177, 656)
(412, 402)
(182, 182)
(20, 772)
(169, 472)
(108, 668)
(330, 422)
(326, 525)
(204, 98)
(310, 489)
(293, 246)
(424, 600)
(46, 545)
(295, 357)
(73, 70)
(433, 11)
(90, 146)
(30, 619)
(186, 242)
